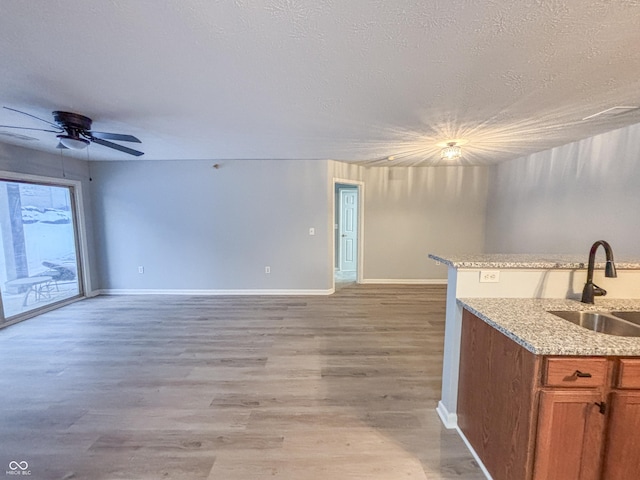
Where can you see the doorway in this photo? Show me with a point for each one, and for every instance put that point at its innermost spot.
(347, 233)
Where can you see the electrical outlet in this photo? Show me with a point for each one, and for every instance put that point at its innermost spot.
(140, 269)
(267, 269)
(312, 231)
(489, 276)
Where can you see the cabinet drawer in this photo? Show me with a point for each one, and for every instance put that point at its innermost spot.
(575, 372)
(629, 373)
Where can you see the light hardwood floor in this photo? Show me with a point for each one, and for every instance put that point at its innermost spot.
(231, 388)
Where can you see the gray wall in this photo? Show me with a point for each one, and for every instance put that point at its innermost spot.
(562, 200)
(196, 227)
(413, 211)
(32, 162)
(410, 212)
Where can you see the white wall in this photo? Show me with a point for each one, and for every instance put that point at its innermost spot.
(33, 162)
(194, 227)
(564, 199)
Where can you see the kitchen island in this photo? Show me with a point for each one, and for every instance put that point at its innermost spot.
(542, 398)
(526, 276)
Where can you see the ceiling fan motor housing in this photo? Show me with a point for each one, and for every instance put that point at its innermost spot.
(76, 127)
(74, 124)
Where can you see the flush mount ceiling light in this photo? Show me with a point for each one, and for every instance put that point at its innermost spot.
(451, 152)
(74, 143)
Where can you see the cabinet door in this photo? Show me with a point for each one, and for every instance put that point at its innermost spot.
(622, 458)
(570, 435)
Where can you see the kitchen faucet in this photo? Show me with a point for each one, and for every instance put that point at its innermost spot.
(590, 289)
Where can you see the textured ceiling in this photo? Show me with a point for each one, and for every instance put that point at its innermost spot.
(351, 80)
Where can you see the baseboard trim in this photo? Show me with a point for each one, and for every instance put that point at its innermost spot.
(449, 420)
(207, 292)
(474, 454)
(405, 281)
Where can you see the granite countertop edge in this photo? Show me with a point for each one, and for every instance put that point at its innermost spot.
(528, 261)
(527, 321)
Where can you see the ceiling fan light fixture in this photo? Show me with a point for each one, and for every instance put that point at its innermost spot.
(451, 152)
(73, 143)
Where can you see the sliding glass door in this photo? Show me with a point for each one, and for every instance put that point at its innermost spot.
(39, 247)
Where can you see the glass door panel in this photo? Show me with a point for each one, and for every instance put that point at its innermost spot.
(38, 256)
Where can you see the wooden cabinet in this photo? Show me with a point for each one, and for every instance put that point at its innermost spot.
(622, 453)
(628, 373)
(496, 398)
(545, 418)
(575, 372)
(571, 418)
(570, 435)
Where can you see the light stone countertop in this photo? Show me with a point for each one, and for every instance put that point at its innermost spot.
(532, 261)
(528, 323)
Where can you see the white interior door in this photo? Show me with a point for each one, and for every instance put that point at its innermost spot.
(348, 230)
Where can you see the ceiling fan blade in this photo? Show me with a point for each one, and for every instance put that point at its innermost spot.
(115, 136)
(33, 116)
(115, 146)
(37, 129)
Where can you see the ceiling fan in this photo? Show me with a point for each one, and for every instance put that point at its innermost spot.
(74, 131)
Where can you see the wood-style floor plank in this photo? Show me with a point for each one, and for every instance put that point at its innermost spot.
(232, 388)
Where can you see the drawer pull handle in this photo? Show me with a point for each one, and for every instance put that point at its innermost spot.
(602, 406)
(580, 374)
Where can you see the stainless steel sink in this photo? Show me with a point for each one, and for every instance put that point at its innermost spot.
(601, 322)
(633, 317)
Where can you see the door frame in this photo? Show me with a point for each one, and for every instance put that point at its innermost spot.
(77, 197)
(360, 243)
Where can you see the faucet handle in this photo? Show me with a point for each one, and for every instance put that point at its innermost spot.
(598, 291)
